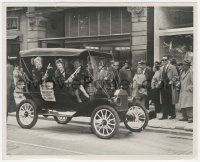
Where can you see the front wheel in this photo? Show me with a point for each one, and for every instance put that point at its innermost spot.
(62, 119)
(27, 114)
(104, 122)
(136, 118)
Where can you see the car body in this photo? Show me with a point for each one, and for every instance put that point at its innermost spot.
(105, 106)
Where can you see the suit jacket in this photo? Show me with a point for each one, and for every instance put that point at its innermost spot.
(172, 77)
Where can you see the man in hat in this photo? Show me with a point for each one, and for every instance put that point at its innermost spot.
(126, 74)
(186, 92)
(169, 95)
(114, 74)
(147, 71)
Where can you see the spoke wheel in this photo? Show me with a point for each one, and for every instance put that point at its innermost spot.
(27, 114)
(136, 118)
(62, 119)
(105, 122)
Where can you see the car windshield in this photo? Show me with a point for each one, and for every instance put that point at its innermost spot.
(98, 64)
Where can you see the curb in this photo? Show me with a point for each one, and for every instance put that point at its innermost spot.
(147, 129)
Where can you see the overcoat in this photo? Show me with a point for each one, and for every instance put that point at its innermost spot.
(186, 92)
(172, 75)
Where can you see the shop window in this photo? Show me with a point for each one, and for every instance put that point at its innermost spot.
(12, 23)
(83, 24)
(126, 21)
(176, 46)
(67, 25)
(104, 21)
(122, 54)
(93, 23)
(116, 21)
(74, 25)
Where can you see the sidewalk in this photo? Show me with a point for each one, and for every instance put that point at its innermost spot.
(173, 125)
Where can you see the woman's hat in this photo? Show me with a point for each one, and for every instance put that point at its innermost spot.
(157, 63)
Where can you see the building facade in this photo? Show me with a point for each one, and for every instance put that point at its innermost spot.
(130, 33)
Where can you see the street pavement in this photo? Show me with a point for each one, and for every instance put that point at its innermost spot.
(50, 138)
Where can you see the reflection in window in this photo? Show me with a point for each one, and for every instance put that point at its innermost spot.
(176, 46)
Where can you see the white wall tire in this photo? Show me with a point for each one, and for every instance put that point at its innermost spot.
(104, 122)
(27, 114)
(136, 118)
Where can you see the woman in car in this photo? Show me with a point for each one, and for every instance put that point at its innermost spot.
(38, 71)
(78, 78)
(62, 72)
(63, 76)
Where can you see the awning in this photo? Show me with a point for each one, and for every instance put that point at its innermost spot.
(11, 37)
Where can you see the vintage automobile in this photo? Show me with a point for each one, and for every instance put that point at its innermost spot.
(106, 107)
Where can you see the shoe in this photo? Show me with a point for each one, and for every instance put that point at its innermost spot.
(162, 118)
(172, 117)
(190, 121)
(183, 119)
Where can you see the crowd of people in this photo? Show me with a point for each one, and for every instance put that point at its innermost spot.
(165, 85)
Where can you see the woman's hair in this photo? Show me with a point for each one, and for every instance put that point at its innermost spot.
(61, 61)
(157, 67)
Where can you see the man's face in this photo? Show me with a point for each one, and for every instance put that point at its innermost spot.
(60, 66)
(180, 67)
(38, 64)
(126, 65)
(77, 64)
(116, 65)
(165, 61)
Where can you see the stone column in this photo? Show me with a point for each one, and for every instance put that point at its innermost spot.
(36, 28)
(139, 33)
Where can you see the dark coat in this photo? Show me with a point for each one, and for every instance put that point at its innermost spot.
(169, 92)
(59, 78)
(37, 75)
(114, 77)
(126, 74)
(11, 104)
(149, 75)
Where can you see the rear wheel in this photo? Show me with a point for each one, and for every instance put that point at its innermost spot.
(27, 114)
(62, 119)
(104, 122)
(136, 118)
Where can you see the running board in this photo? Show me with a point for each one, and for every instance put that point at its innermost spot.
(59, 113)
